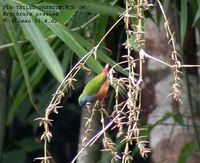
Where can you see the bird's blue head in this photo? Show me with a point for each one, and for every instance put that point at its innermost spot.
(86, 99)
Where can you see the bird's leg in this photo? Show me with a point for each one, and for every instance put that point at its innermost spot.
(101, 103)
(88, 107)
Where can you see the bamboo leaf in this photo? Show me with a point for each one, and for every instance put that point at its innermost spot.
(12, 34)
(101, 26)
(42, 48)
(162, 119)
(66, 36)
(13, 155)
(183, 23)
(89, 6)
(29, 144)
(101, 55)
(178, 118)
(21, 93)
(185, 152)
(197, 16)
(35, 78)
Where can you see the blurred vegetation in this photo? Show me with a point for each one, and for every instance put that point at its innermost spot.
(42, 54)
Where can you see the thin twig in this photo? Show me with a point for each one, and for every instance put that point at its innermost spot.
(142, 52)
(97, 136)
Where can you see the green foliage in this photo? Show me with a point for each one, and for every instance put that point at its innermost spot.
(183, 19)
(162, 119)
(42, 50)
(14, 155)
(41, 46)
(197, 15)
(178, 118)
(28, 144)
(92, 6)
(187, 149)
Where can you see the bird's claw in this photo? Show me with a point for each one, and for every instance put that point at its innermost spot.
(88, 107)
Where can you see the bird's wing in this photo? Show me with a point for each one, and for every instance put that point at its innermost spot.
(94, 85)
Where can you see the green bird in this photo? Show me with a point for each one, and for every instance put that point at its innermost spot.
(95, 89)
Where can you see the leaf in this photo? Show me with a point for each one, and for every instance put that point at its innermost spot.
(162, 119)
(150, 127)
(89, 6)
(29, 144)
(185, 152)
(13, 156)
(100, 24)
(42, 48)
(178, 118)
(21, 93)
(12, 34)
(101, 55)
(35, 78)
(63, 17)
(197, 16)
(67, 57)
(66, 35)
(183, 19)
(1, 13)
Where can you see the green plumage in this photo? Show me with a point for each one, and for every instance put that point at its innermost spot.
(92, 87)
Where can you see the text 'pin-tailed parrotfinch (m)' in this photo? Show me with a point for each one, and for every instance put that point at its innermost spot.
(95, 89)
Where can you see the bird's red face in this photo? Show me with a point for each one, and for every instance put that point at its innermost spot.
(106, 69)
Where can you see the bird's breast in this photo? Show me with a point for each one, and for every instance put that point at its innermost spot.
(102, 91)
